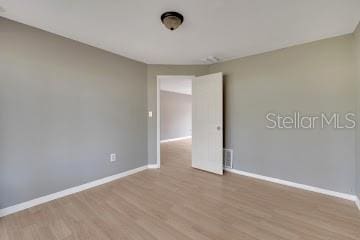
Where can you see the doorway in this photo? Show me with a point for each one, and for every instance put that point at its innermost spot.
(174, 115)
(206, 128)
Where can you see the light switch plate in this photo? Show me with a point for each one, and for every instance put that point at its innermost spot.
(150, 113)
(112, 157)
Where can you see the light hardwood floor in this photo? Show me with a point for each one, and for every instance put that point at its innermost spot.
(178, 202)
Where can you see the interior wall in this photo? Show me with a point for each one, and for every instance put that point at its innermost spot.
(311, 78)
(175, 115)
(357, 61)
(65, 107)
(152, 72)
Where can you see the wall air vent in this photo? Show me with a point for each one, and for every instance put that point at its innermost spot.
(228, 158)
(211, 60)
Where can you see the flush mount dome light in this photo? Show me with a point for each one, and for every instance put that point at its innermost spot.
(172, 20)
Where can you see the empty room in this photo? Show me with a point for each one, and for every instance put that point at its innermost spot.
(199, 120)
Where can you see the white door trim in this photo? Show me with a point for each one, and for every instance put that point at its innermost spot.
(158, 78)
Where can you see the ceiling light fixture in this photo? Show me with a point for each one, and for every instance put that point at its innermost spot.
(172, 20)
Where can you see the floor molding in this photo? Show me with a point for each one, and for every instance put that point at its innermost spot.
(296, 185)
(358, 202)
(153, 166)
(66, 192)
(69, 191)
(175, 139)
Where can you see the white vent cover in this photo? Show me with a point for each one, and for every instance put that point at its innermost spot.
(228, 158)
(211, 60)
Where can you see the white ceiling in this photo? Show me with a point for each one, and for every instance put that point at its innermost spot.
(225, 29)
(178, 84)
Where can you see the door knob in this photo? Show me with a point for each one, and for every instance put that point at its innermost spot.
(218, 128)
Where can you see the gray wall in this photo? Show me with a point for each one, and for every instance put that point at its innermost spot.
(65, 107)
(357, 61)
(152, 72)
(311, 78)
(175, 115)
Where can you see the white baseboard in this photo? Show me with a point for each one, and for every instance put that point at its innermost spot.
(175, 139)
(69, 191)
(66, 192)
(153, 166)
(295, 185)
(358, 202)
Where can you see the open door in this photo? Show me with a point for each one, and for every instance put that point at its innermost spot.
(207, 123)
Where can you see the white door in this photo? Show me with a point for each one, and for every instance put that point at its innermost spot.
(207, 123)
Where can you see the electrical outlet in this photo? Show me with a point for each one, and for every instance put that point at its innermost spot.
(112, 157)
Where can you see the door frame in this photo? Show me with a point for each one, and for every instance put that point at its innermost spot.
(158, 79)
